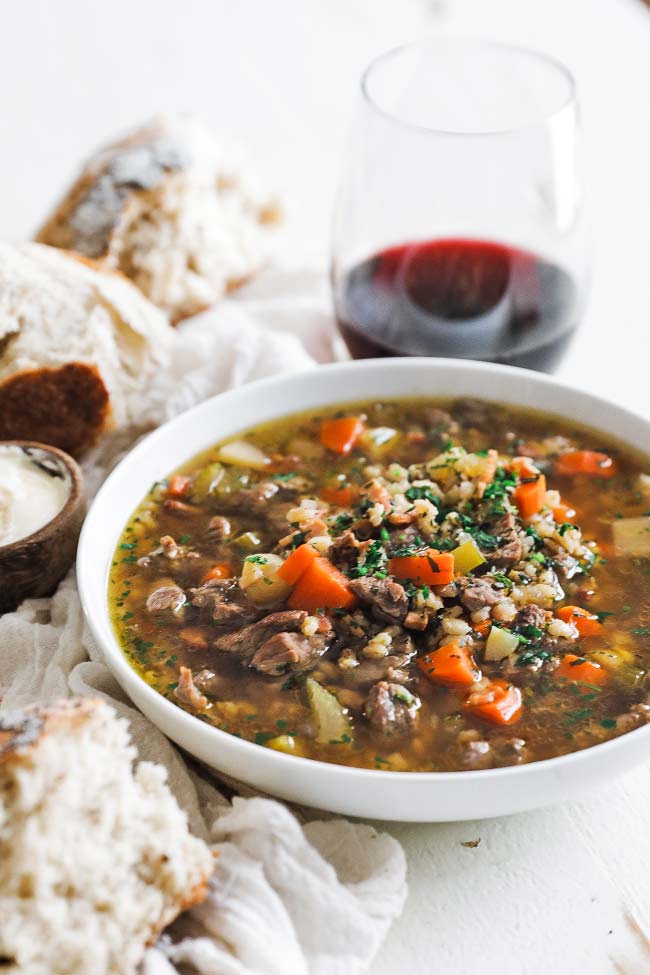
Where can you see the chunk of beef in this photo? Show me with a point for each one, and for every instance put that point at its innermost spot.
(387, 599)
(248, 640)
(508, 554)
(509, 750)
(209, 683)
(531, 615)
(510, 549)
(478, 593)
(169, 549)
(186, 691)
(284, 652)
(354, 629)
(393, 667)
(476, 755)
(391, 708)
(639, 714)
(408, 537)
(253, 500)
(218, 528)
(439, 423)
(416, 620)
(166, 598)
(344, 550)
(474, 413)
(224, 602)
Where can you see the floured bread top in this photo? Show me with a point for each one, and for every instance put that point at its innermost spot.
(175, 208)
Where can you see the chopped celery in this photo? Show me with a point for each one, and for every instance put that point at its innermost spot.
(207, 481)
(500, 643)
(467, 556)
(332, 724)
(248, 541)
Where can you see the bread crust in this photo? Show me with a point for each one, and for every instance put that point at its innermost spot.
(68, 406)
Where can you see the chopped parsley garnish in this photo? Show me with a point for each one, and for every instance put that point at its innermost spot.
(184, 539)
(608, 723)
(257, 559)
(283, 477)
(531, 632)
(298, 539)
(564, 528)
(502, 581)
(345, 739)
(603, 614)
(421, 493)
(261, 737)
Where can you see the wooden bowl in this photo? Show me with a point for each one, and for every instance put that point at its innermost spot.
(32, 566)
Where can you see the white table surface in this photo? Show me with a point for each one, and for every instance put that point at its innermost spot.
(564, 890)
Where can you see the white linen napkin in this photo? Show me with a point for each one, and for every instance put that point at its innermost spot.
(286, 899)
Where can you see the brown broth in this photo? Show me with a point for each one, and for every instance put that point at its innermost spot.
(558, 716)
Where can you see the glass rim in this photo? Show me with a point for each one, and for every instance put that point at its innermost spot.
(531, 53)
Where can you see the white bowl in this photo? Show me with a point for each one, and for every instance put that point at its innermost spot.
(417, 796)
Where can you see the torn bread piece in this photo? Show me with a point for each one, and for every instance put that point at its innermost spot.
(95, 856)
(81, 351)
(175, 208)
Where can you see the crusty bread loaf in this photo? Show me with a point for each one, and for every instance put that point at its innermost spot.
(79, 348)
(95, 858)
(172, 207)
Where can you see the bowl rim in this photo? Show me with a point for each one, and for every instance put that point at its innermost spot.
(75, 496)
(118, 663)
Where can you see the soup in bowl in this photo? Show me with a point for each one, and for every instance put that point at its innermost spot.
(401, 588)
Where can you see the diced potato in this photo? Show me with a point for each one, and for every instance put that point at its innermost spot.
(287, 744)
(632, 536)
(613, 658)
(248, 541)
(259, 579)
(207, 481)
(243, 454)
(500, 643)
(331, 721)
(467, 556)
(375, 441)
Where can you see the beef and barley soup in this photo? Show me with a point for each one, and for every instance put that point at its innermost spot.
(406, 585)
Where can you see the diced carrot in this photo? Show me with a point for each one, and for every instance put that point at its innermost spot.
(340, 435)
(563, 512)
(431, 569)
(194, 637)
(450, 665)
(586, 623)
(178, 486)
(589, 463)
(530, 497)
(523, 466)
(577, 668)
(294, 566)
(498, 703)
(342, 497)
(322, 586)
(223, 570)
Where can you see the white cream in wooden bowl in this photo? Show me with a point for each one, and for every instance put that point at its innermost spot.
(34, 488)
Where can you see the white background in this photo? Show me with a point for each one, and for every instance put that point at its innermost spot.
(564, 890)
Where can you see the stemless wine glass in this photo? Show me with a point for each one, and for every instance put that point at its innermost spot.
(458, 227)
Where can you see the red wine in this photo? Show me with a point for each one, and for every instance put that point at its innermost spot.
(460, 298)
